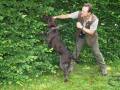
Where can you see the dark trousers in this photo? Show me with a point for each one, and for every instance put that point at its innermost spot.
(92, 42)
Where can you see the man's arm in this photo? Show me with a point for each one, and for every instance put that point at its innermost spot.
(92, 29)
(73, 15)
(66, 16)
(89, 31)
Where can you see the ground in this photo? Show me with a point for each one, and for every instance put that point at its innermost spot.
(84, 77)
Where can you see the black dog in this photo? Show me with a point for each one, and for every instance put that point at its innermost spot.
(55, 42)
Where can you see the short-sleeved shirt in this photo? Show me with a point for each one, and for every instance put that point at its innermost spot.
(93, 26)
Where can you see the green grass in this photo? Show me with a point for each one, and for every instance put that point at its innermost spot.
(84, 77)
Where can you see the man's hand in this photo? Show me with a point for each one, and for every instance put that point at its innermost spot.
(54, 17)
(79, 25)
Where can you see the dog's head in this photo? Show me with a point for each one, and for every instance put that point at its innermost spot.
(50, 21)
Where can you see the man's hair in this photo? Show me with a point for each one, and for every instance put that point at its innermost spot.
(89, 6)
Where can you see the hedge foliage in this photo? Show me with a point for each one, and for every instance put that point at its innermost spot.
(23, 49)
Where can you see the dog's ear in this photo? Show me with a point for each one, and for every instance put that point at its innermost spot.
(45, 18)
(48, 18)
(50, 21)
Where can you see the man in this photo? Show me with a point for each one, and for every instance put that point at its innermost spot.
(87, 26)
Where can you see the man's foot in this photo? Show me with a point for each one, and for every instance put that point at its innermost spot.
(104, 71)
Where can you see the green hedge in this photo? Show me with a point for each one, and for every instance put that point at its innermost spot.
(23, 49)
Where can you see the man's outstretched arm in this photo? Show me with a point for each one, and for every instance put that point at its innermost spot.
(66, 16)
(73, 15)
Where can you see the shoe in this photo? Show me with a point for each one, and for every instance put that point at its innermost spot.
(104, 71)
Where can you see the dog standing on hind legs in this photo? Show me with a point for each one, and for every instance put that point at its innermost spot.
(55, 42)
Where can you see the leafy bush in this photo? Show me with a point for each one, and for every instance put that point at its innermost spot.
(23, 49)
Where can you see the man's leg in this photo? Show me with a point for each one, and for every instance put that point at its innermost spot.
(99, 57)
(79, 44)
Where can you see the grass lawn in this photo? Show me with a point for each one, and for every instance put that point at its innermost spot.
(84, 77)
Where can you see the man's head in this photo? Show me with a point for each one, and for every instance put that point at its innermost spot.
(86, 10)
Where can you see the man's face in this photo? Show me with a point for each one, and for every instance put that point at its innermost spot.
(85, 12)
